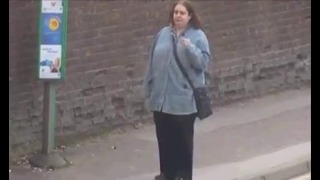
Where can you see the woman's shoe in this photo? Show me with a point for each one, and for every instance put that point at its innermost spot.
(160, 177)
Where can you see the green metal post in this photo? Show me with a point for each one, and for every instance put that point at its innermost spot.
(48, 158)
(49, 117)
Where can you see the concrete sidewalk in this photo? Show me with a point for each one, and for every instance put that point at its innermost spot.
(259, 138)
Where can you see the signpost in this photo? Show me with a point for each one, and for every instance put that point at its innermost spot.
(52, 39)
(51, 67)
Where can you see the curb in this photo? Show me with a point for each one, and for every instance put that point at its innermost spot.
(285, 173)
(280, 165)
(296, 162)
(303, 177)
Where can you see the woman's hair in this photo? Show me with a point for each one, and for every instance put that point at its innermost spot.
(194, 20)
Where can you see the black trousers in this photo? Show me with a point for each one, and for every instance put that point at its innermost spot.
(175, 143)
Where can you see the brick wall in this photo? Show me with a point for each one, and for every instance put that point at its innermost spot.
(259, 47)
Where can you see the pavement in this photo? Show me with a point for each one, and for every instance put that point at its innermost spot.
(261, 138)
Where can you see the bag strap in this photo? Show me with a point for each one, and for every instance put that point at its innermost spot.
(176, 57)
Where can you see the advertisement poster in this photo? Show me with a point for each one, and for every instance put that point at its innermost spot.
(51, 29)
(50, 62)
(52, 48)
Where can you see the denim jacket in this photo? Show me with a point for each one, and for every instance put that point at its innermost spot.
(164, 86)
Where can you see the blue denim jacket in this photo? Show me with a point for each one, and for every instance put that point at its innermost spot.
(164, 86)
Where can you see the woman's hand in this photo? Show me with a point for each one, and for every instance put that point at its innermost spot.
(185, 41)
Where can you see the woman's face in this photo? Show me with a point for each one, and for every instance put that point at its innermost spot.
(56, 63)
(181, 16)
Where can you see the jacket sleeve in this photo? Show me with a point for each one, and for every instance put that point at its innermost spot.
(199, 53)
(146, 85)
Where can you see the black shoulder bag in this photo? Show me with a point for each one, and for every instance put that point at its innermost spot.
(201, 94)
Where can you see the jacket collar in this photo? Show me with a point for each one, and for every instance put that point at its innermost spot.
(173, 30)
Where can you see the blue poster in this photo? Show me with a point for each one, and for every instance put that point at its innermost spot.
(51, 28)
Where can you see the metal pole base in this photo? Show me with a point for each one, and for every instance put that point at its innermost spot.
(48, 161)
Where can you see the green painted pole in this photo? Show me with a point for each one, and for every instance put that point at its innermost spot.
(48, 158)
(49, 117)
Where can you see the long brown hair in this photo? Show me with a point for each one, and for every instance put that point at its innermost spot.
(194, 20)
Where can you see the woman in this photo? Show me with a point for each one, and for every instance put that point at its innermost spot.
(169, 95)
